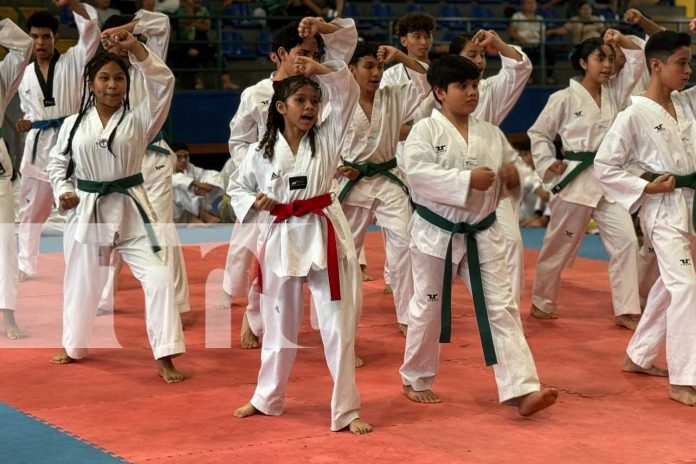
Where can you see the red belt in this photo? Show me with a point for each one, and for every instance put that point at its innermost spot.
(300, 208)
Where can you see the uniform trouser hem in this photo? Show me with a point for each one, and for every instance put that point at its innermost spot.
(684, 379)
(519, 391)
(262, 406)
(170, 349)
(183, 308)
(344, 421)
(418, 385)
(643, 360)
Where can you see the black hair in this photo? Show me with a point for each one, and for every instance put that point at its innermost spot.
(363, 49)
(287, 37)
(88, 100)
(451, 69)
(459, 42)
(116, 21)
(43, 19)
(665, 43)
(415, 22)
(583, 50)
(282, 90)
(176, 146)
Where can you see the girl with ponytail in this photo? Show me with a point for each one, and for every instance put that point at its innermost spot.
(289, 174)
(582, 114)
(95, 173)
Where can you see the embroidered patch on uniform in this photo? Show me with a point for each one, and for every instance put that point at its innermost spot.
(298, 183)
(685, 261)
(265, 102)
(274, 176)
(432, 297)
(569, 233)
(440, 148)
(103, 143)
(48, 102)
(469, 163)
(578, 114)
(159, 167)
(651, 250)
(659, 128)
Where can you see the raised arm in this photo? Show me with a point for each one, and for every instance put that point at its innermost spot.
(155, 27)
(411, 94)
(633, 16)
(505, 88)
(12, 66)
(628, 77)
(340, 37)
(89, 37)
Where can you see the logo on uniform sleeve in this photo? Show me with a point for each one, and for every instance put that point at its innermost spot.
(569, 233)
(159, 167)
(651, 250)
(440, 148)
(578, 114)
(432, 297)
(265, 102)
(659, 128)
(685, 261)
(274, 176)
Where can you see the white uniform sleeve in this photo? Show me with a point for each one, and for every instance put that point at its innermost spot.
(689, 97)
(610, 166)
(57, 167)
(426, 176)
(12, 66)
(506, 87)
(244, 187)
(207, 176)
(509, 156)
(181, 181)
(159, 89)
(412, 95)
(243, 128)
(156, 28)
(629, 76)
(342, 93)
(340, 45)
(543, 132)
(88, 41)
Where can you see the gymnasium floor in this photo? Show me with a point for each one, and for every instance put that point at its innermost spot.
(112, 407)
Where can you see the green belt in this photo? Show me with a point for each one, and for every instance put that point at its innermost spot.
(586, 159)
(685, 181)
(121, 186)
(474, 275)
(152, 147)
(369, 170)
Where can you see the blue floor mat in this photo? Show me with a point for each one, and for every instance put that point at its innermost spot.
(26, 440)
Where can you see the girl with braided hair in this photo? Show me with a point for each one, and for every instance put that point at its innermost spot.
(95, 173)
(289, 174)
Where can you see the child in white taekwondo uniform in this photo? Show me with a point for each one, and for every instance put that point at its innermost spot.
(11, 69)
(100, 152)
(290, 174)
(49, 92)
(658, 135)
(197, 191)
(581, 114)
(498, 95)
(248, 126)
(370, 184)
(157, 166)
(456, 165)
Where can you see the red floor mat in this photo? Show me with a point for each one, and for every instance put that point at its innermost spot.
(115, 399)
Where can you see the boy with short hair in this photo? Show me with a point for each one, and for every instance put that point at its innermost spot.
(197, 192)
(656, 134)
(455, 166)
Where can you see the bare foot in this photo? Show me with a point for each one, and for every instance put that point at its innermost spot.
(12, 331)
(404, 329)
(62, 358)
(247, 339)
(246, 411)
(359, 427)
(224, 301)
(629, 321)
(630, 366)
(539, 314)
(536, 401)
(366, 276)
(425, 396)
(168, 372)
(387, 290)
(684, 394)
(23, 277)
(208, 217)
(358, 361)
